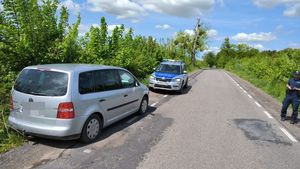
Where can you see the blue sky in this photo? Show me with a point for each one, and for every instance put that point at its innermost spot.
(263, 24)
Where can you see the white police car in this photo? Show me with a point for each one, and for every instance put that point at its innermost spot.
(169, 75)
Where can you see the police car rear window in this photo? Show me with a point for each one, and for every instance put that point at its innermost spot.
(42, 82)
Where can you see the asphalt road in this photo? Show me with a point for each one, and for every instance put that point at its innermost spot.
(215, 124)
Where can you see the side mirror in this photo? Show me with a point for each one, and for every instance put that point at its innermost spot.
(136, 84)
(185, 72)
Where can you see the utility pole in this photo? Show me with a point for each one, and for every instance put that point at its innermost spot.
(196, 36)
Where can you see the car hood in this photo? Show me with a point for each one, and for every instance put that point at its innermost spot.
(165, 75)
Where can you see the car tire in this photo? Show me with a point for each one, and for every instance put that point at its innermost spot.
(143, 106)
(91, 129)
(180, 91)
(186, 83)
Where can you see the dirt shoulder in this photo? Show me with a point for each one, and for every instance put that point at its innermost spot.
(269, 103)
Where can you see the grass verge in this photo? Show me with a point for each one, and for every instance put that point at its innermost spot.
(273, 87)
(9, 138)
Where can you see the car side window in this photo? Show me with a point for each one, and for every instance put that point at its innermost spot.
(127, 79)
(107, 80)
(86, 84)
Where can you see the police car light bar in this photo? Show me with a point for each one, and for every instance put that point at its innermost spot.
(172, 60)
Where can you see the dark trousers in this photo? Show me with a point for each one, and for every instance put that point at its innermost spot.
(290, 99)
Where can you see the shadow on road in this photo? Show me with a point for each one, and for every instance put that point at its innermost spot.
(106, 132)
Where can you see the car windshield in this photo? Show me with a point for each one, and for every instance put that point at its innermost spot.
(165, 68)
(42, 83)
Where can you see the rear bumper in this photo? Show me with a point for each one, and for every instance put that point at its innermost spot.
(62, 129)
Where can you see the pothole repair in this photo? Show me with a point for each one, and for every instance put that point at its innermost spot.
(259, 130)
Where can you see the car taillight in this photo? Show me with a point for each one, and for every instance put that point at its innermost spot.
(65, 110)
(11, 104)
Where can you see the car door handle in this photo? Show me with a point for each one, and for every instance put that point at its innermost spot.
(125, 95)
(102, 100)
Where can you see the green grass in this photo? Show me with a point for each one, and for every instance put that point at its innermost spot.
(273, 88)
(9, 138)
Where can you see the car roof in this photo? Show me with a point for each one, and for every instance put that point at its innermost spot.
(70, 67)
(172, 63)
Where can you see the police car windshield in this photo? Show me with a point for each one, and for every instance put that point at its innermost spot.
(165, 68)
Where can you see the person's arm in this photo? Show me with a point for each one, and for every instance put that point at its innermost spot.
(288, 85)
(296, 88)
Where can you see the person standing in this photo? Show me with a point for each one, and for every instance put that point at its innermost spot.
(292, 97)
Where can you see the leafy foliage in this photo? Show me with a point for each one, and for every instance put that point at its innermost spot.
(269, 70)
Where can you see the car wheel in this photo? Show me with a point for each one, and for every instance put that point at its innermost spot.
(91, 129)
(143, 106)
(186, 83)
(180, 91)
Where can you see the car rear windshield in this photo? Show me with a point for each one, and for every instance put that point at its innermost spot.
(42, 82)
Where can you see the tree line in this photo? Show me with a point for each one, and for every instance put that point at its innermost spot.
(269, 70)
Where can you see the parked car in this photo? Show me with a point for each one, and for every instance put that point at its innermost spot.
(169, 75)
(71, 101)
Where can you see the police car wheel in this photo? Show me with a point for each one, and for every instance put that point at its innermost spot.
(186, 83)
(180, 91)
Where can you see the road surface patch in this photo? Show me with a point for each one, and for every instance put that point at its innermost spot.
(259, 130)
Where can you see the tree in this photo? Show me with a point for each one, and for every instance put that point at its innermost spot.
(226, 53)
(210, 59)
(199, 41)
(188, 45)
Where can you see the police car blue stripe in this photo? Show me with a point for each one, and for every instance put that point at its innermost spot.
(165, 75)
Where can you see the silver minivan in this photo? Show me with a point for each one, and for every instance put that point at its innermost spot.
(71, 101)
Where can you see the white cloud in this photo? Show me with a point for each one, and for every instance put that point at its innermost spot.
(254, 37)
(272, 3)
(293, 11)
(213, 49)
(189, 31)
(82, 29)
(72, 6)
(110, 28)
(123, 9)
(163, 27)
(135, 9)
(292, 6)
(212, 33)
(181, 8)
(294, 45)
(258, 46)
